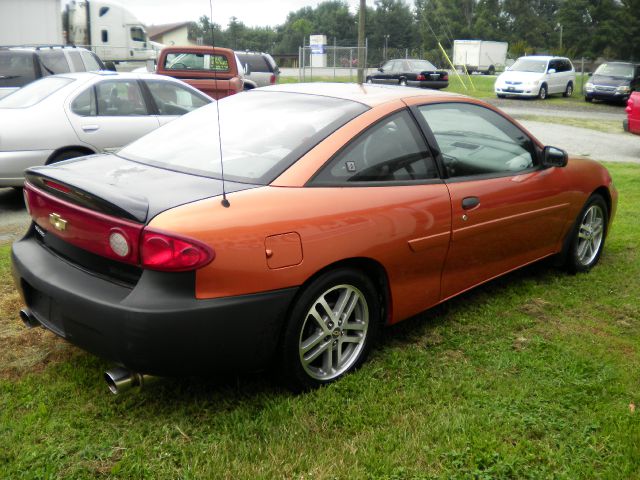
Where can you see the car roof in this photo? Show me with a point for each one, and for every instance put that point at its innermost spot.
(118, 75)
(543, 57)
(367, 94)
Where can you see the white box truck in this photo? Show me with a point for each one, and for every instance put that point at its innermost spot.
(30, 22)
(479, 55)
(109, 29)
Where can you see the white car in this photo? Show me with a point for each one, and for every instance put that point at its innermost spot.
(537, 76)
(75, 114)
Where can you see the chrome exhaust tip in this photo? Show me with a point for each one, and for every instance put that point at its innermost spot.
(28, 318)
(120, 379)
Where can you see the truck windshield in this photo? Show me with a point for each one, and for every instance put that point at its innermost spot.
(16, 68)
(528, 65)
(263, 133)
(35, 92)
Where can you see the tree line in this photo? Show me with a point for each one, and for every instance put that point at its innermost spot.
(573, 28)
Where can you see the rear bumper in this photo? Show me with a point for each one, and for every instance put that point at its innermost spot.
(156, 327)
(437, 85)
(13, 165)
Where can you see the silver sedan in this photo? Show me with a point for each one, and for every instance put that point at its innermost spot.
(71, 115)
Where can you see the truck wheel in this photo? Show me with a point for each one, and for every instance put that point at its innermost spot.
(492, 70)
(403, 82)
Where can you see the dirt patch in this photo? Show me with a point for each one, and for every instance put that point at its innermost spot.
(536, 308)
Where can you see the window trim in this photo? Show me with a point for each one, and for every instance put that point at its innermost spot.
(394, 183)
(431, 139)
(151, 103)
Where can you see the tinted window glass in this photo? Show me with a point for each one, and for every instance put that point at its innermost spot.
(392, 150)
(16, 68)
(76, 61)
(421, 65)
(257, 63)
(104, 36)
(196, 61)
(528, 65)
(256, 147)
(90, 61)
(120, 98)
(174, 99)
(103, 11)
(35, 92)
(53, 61)
(474, 140)
(85, 103)
(138, 35)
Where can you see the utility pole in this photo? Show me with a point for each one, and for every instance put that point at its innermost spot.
(361, 56)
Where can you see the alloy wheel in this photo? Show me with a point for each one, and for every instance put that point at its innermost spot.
(590, 234)
(334, 332)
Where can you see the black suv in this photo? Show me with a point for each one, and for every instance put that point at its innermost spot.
(613, 81)
(24, 64)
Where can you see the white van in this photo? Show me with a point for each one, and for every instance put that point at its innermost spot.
(537, 76)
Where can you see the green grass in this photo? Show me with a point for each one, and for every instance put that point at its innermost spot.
(530, 376)
(607, 126)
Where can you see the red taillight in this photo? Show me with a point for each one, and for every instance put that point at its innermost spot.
(272, 79)
(445, 76)
(57, 186)
(160, 251)
(421, 77)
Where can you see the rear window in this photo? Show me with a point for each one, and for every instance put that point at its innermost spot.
(35, 92)
(53, 61)
(196, 61)
(257, 63)
(256, 146)
(16, 68)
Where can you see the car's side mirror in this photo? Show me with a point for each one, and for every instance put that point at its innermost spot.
(381, 69)
(551, 70)
(554, 157)
(247, 69)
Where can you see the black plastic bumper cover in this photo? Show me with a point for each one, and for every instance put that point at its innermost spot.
(156, 327)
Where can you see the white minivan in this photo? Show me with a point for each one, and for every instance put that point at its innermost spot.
(537, 76)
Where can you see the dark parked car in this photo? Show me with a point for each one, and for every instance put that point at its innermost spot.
(415, 73)
(613, 81)
(22, 65)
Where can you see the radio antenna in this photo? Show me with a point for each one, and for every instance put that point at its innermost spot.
(225, 203)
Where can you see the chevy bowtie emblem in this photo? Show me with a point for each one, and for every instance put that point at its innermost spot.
(58, 222)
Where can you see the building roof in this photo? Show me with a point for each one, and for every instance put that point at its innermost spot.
(156, 30)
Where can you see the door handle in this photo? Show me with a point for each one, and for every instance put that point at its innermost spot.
(470, 202)
(90, 128)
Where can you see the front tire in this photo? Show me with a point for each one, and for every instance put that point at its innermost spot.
(588, 99)
(589, 233)
(330, 330)
(403, 82)
(542, 94)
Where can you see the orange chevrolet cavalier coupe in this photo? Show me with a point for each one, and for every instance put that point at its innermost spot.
(288, 233)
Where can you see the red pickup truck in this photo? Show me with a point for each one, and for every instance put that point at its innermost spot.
(213, 71)
(632, 122)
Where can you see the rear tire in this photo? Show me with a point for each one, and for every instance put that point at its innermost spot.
(369, 80)
(500, 95)
(588, 236)
(330, 330)
(568, 91)
(66, 155)
(403, 82)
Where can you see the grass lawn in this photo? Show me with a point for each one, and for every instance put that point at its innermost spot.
(535, 375)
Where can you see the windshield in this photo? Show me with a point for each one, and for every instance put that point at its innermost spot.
(263, 133)
(16, 68)
(529, 65)
(421, 65)
(35, 92)
(623, 70)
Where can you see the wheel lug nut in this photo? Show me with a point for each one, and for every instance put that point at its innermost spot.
(330, 324)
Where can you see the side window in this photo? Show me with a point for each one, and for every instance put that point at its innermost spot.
(553, 64)
(475, 140)
(392, 150)
(174, 99)
(387, 66)
(137, 34)
(120, 98)
(90, 61)
(85, 104)
(54, 61)
(104, 36)
(76, 61)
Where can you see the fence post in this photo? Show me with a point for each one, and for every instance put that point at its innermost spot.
(582, 75)
(334, 59)
(299, 64)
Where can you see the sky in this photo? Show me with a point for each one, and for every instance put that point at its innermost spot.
(251, 12)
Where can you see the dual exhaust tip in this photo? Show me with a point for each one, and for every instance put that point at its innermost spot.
(118, 379)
